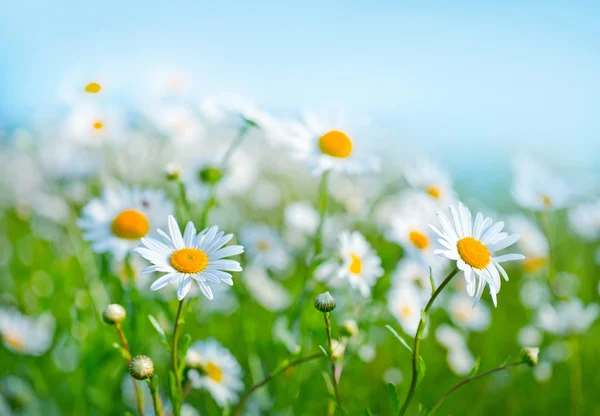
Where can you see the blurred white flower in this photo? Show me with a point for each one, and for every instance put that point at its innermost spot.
(325, 142)
(542, 372)
(463, 314)
(355, 193)
(301, 216)
(117, 221)
(221, 374)
(93, 125)
(532, 242)
(283, 334)
(357, 264)
(367, 353)
(584, 220)
(24, 334)
(567, 317)
(267, 292)
(534, 294)
(449, 337)
(177, 122)
(264, 247)
(265, 195)
(472, 246)
(405, 304)
(235, 111)
(392, 375)
(529, 336)
(191, 256)
(430, 178)
(536, 188)
(460, 359)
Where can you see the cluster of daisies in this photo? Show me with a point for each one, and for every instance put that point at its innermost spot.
(240, 188)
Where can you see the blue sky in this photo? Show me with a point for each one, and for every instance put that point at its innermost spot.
(468, 79)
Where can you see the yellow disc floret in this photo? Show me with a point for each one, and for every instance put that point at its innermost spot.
(335, 144)
(130, 225)
(189, 260)
(474, 253)
(93, 88)
(434, 192)
(355, 264)
(418, 239)
(214, 372)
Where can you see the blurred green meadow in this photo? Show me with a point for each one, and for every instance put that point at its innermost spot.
(287, 201)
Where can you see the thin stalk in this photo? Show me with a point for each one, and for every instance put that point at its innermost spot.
(332, 360)
(155, 398)
(468, 380)
(138, 393)
(261, 383)
(175, 352)
(418, 337)
(323, 200)
(184, 199)
(575, 376)
(235, 143)
(545, 223)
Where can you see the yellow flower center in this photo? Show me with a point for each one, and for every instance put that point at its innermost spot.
(213, 372)
(355, 264)
(98, 125)
(534, 264)
(13, 340)
(473, 252)
(419, 240)
(335, 144)
(546, 200)
(130, 225)
(405, 312)
(93, 88)
(189, 260)
(434, 192)
(263, 246)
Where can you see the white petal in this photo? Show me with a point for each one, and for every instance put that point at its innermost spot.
(175, 232)
(508, 257)
(184, 286)
(478, 225)
(226, 252)
(189, 234)
(205, 288)
(508, 241)
(164, 280)
(447, 227)
(492, 231)
(224, 265)
(457, 224)
(502, 271)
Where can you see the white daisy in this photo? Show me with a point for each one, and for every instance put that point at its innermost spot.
(472, 245)
(221, 374)
(532, 242)
(177, 122)
(302, 217)
(405, 304)
(568, 317)
(117, 221)
(24, 334)
(463, 314)
(200, 257)
(428, 177)
(264, 247)
(326, 142)
(584, 220)
(357, 263)
(460, 359)
(536, 188)
(93, 125)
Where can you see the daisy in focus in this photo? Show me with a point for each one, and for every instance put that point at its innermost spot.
(264, 247)
(472, 246)
(216, 370)
(24, 334)
(117, 221)
(357, 264)
(428, 177)
(327, 143)
(191, 256)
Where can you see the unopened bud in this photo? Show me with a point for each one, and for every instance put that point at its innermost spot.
(325, 302)
(210, 175)
(349, 328)
(113, 314)
(141, 367)
(173, 171)
(530, 356)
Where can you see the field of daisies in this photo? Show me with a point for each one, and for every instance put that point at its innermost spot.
(201, 256)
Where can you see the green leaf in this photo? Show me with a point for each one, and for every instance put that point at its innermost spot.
(324, 352)
(393, 397)
(184, 344)
(161, 332)
(281, 365)
(402, 341)
(368, 412)
(122, 350)
(173, 390)
(421, 370)
(190, 304)
(475, 368)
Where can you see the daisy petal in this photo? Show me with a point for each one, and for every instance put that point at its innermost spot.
(508, 257)
(175, 233)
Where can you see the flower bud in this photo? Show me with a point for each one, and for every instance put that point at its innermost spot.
(530, 356)
(349, 328)
(173, 171)
(141, 367)
(193, 359)
(210, 175)
(113, 314)
(325, 302)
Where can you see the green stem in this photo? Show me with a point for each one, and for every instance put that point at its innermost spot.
(138, 393)
(575, 376)
(176, 407)
(332, 360)
(323, 199)
(545, 223)
(207, 207)
(468, 380)
(155, 398)
(275, 373)
(235, 143)
(184, 199)
(418, 337)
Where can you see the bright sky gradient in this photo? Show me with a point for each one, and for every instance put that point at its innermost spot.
(462, 80)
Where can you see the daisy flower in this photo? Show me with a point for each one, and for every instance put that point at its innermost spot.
(405, 304)
(472, 246)
(93, 125)
(326, 142)
(300, 216)
(584, 220)
(532, 242)
(461, 311)
(569, 317)
(428, 177)
(357, 263)
(264, 247)
(24, 334)
(198, 256)
(220, 372)
(459, 358)
(537, 189)
(117, 221)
